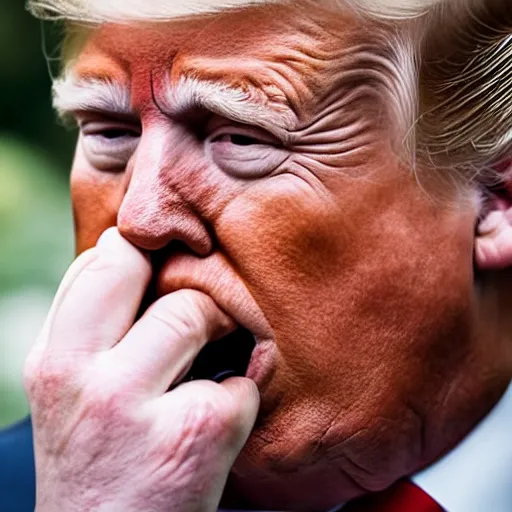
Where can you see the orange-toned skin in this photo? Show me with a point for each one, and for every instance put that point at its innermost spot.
(377, 363)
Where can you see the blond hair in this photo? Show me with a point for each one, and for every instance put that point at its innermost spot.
(453, 59)
(100, 11)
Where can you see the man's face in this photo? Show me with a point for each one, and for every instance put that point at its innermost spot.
(253, 155)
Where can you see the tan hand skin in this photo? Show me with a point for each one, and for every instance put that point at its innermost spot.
(103, 421)
(378, 348)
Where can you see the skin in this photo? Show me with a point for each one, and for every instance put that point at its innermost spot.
(102, 417)
(376, 350)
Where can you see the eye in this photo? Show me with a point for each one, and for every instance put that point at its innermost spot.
(109, 144)
(117, 133)
(245, 152)
(237, 139)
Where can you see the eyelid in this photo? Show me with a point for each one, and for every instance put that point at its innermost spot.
(109, 143)
(222, 126)
(98, 127)
(256, 133)
(84, 119)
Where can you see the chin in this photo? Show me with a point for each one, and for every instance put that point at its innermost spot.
(304, 457)
(310, 489)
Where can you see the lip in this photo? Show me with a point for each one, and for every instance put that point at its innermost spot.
(215, 277)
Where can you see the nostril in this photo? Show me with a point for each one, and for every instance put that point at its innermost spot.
(151, 220)
(159, 233)
(145, 235)
(146, 243)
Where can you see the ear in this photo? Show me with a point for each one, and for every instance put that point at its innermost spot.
(493, 242)
(465, 122)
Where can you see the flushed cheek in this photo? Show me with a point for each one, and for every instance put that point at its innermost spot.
(343, 273)
(360, 324)
(96, 198)
(288, 244)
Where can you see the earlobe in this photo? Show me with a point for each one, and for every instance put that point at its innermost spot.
(493, 244)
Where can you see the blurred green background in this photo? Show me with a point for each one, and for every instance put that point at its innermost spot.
(36, 243)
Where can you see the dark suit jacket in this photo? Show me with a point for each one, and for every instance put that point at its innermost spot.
(17, 474)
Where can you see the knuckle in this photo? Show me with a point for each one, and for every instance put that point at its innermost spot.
(106, 412)
(199, 420)
(60, 386)
(106, 397)
(213, 415)
(49, 383)
(106, 406)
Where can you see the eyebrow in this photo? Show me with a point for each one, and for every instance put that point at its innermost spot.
(72, 94)
(243, 106)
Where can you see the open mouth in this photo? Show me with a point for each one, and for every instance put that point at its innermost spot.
(224, 358)
(220, 359)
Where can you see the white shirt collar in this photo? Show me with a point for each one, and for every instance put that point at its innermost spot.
(477, 474)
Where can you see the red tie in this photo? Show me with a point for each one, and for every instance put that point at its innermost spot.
(403, 496)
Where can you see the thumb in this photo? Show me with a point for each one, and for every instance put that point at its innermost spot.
(245, 393)
(218, 421)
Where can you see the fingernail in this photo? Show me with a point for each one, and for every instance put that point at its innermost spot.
(109, 239)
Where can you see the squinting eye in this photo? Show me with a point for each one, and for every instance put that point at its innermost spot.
(109, 145)
(245, 152)
(237, 139)
(116, 133)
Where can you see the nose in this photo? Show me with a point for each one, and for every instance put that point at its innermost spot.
(154, 211)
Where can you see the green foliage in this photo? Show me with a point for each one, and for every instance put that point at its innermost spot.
(35, 215)
(25, 82)
(36, 235)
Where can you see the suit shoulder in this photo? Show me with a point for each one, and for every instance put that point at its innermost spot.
(17, 474)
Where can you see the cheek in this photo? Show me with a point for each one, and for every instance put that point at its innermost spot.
(368, 306)
(290, 244)
(96, 198)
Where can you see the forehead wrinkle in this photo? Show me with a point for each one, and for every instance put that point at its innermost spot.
(243, 105)
(100, 94)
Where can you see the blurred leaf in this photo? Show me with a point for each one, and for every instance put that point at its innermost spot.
(35, 215)
(35, 249)
(35, 218)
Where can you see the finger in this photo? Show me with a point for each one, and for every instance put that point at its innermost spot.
(227, 411)
(213, 421)
(162, 345)
(99, 297)
(72, 273)
(246, 397)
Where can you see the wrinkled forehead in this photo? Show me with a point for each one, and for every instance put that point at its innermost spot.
(252, 46)
(272, 32)
(249, 31)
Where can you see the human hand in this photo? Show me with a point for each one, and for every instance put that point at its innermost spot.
(108, 434)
